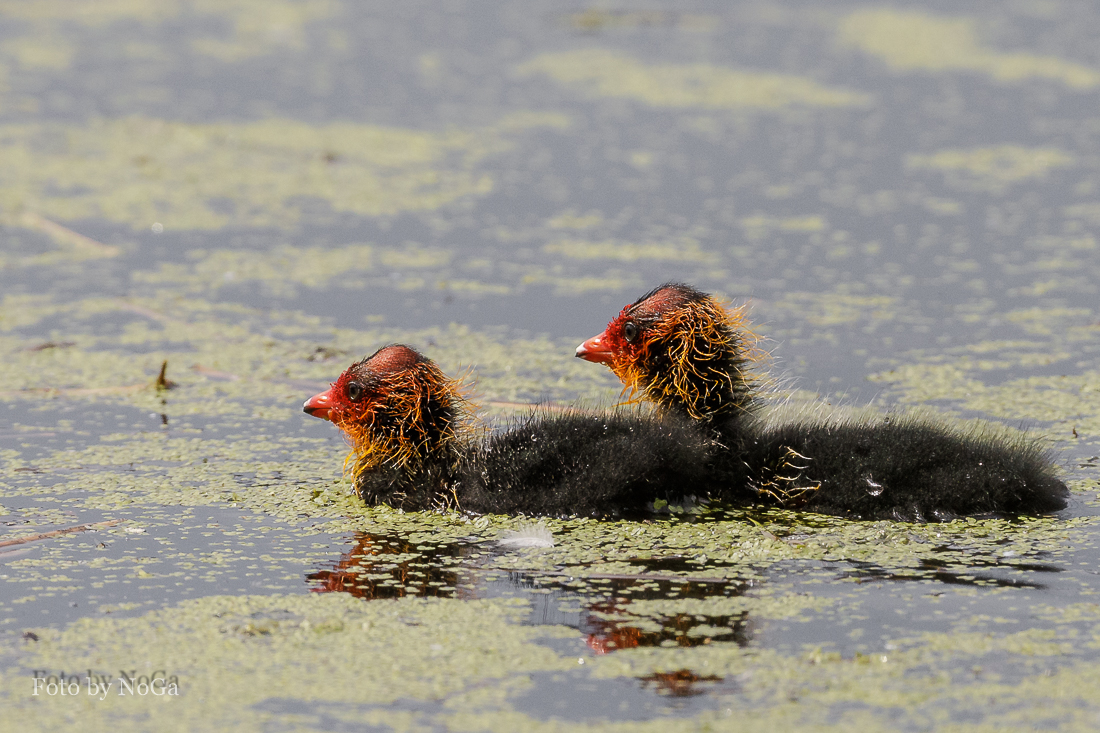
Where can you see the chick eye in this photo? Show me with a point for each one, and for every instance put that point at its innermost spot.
(630, 331)
(355, 391)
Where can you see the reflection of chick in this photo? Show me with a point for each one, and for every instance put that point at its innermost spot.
(677, 347)
(378, 566)
(412, 448)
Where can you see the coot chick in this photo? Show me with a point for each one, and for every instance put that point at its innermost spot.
(414, 447)
(679, 348)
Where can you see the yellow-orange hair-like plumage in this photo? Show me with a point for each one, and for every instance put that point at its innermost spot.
(695, 355)
(413, 413)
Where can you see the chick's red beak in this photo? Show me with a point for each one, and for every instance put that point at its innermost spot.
(595, 350)
(319, 405)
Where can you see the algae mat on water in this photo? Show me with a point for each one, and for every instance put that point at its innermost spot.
(144, 171)
(319, 662)
(208, 209)
(698, 602)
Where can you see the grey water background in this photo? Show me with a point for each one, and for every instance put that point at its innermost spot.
(854, 262)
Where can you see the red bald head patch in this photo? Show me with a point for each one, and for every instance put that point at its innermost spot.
(392, 359)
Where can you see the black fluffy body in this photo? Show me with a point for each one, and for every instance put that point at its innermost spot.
(896, 467)
(591, 465)
(606, 465)
(617, 465)
(888, 467)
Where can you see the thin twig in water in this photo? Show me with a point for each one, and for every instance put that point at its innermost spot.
(67, 237)
(214, 373)
(58, 533)
(76, 391)
(146, 312)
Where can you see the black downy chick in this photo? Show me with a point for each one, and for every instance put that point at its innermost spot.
(680, 349)
(414, 447)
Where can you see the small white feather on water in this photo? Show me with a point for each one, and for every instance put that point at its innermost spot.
(527, 535)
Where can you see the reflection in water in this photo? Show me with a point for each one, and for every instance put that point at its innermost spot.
(676, 564)
(386, 566)
(683, 629)
(681, 683)
(949, 574)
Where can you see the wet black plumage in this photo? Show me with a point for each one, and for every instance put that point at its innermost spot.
(613, 464)
(901, 467)
(879, 467)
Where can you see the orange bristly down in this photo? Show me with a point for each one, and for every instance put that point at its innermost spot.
(709, 349)
(405, 424)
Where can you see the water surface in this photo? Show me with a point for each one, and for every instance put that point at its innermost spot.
(906, 194)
